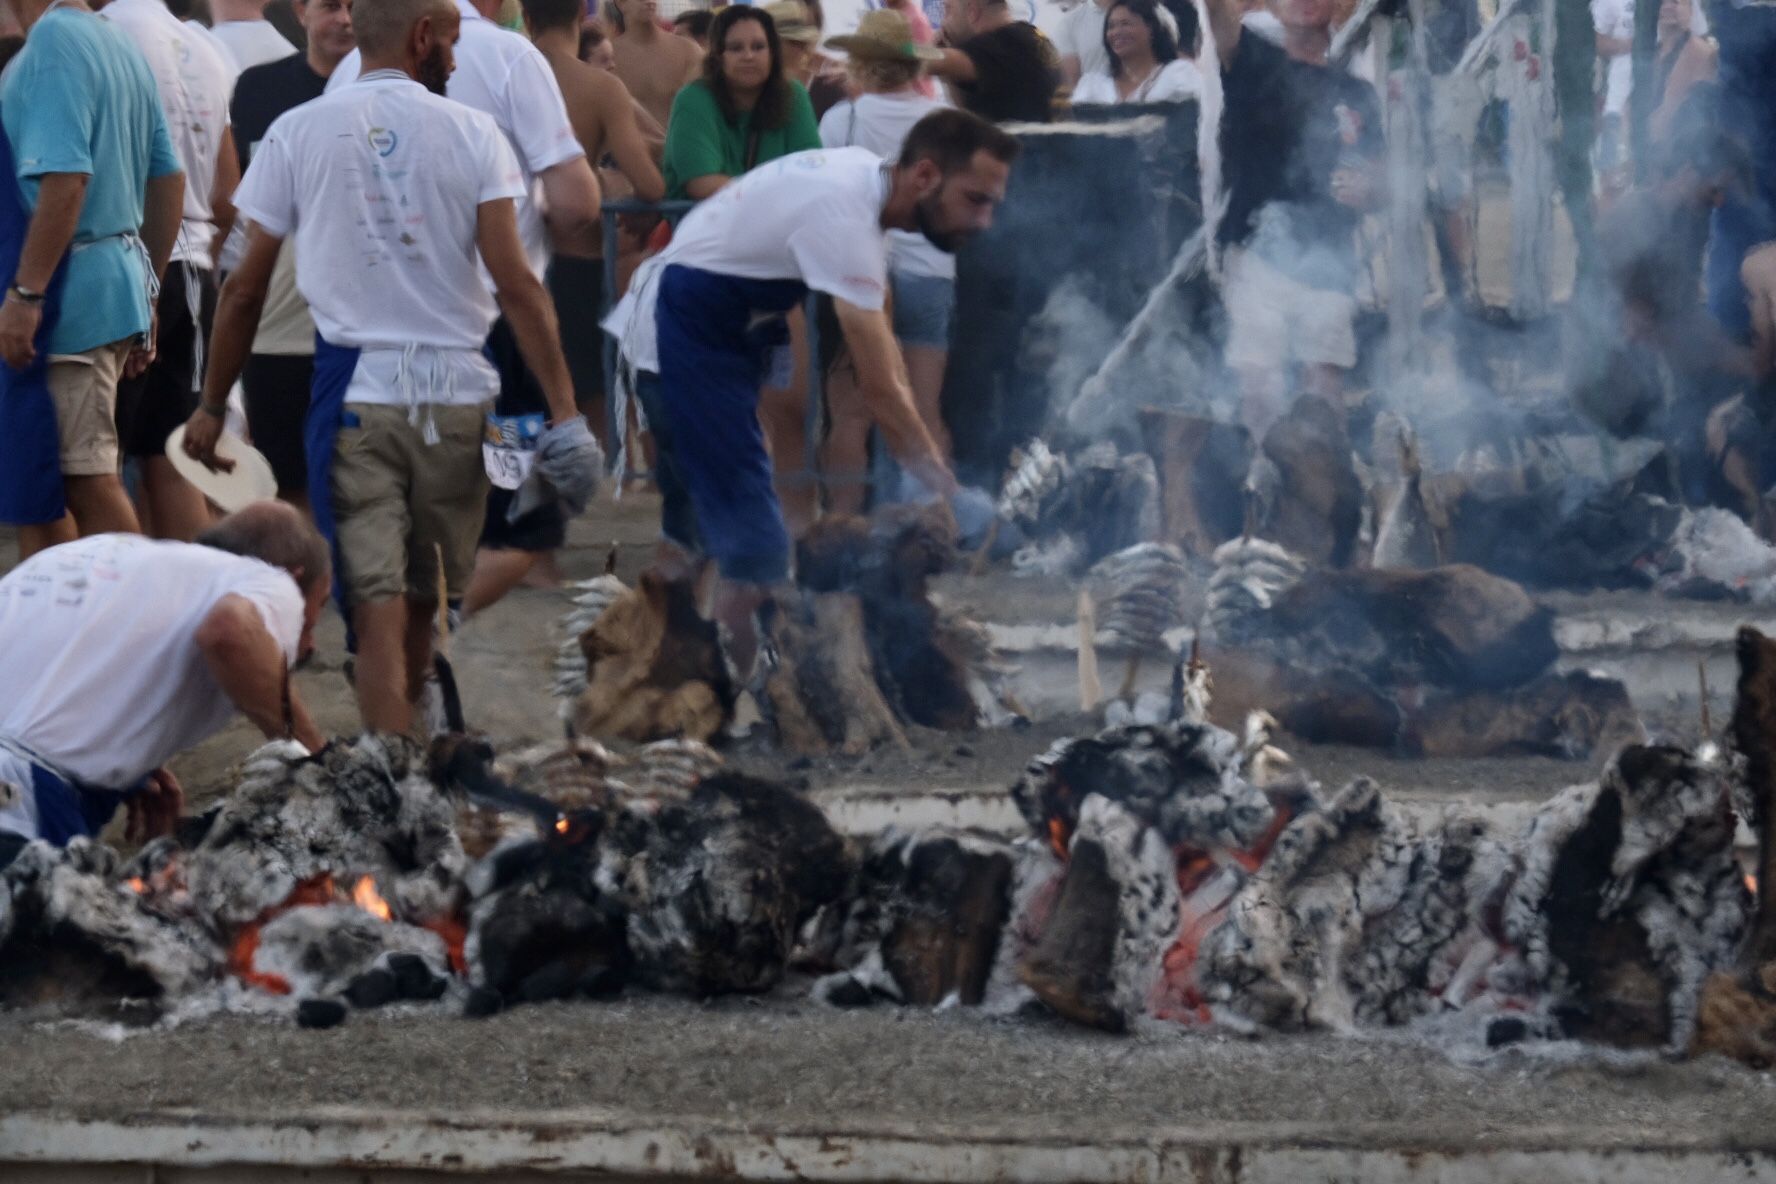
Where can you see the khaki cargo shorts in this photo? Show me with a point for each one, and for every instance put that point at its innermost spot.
(397, 500)
(83, 388)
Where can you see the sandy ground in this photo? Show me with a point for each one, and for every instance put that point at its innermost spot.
(785, 1061)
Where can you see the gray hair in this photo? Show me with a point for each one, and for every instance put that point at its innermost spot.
(275, 533)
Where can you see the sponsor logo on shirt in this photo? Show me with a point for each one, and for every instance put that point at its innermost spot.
(383, 140)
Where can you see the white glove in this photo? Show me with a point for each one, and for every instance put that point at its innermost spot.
(569, 459)
(974, 510)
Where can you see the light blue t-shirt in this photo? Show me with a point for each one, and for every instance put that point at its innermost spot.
(79, 98)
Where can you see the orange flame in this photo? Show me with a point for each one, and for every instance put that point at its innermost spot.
(1057, 837)
(240, 961)
(366, 897)
(455, 934)
(1751, 883)
(136, 884)
(561, 825)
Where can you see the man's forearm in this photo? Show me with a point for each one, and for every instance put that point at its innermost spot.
(891, 406)
(247, 663)
(231, 339)
(162, 211)
(60, 197)
(532, 317)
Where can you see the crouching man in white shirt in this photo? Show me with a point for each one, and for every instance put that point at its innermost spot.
(395, 194)
(118, 652)
(702, 327)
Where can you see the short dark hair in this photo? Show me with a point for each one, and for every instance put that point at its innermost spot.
(553, 14)
(592, 35)
(773, 106)
(696, 22)
(278, 534)
(949, 139)
(1165, 46)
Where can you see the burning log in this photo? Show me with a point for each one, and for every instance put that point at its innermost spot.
(654, 667)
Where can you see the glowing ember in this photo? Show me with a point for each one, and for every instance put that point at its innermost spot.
(561, 826)
(1751, 883)
(136, 884)
(1057, 837)
(454, 933)
(365, 896)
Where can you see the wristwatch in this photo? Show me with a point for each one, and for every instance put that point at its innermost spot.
(24, 295)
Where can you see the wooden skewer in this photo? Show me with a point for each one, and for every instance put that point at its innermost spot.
(443, 604)
(978, 563)
(1127, 693)
(1090, 692)
(1702, 677)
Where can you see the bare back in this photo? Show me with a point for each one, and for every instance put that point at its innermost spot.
(656, 68)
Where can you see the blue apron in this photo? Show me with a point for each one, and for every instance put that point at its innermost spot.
(30, 445)
(716, 334)
(333, 369)
(66, 809)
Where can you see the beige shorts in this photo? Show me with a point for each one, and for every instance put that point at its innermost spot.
(83, 388)
(1273, 320)
(398, 501)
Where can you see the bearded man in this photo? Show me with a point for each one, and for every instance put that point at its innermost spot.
(703, 322)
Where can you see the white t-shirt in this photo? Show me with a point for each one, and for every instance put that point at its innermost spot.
(99, 670)
(810, 216)
(881, 123)
(194, 83)
(1615, 18)
(252, 43)
(501, 73)
(1081, 33)
(380, 183)
(1173, 82)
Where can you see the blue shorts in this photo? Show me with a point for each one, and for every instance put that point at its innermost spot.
(715, 335)
(923, 306)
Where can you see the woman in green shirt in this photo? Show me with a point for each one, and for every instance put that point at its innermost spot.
(741, 113)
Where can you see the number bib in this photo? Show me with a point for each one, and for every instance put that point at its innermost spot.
(509, 448)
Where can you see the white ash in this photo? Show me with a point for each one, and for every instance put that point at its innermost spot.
(590, 599)
(1186, 779)
(78, 887)
(357, 807)
(1147, 906)
(1052, 557)
(320, 949)
(1716, 553)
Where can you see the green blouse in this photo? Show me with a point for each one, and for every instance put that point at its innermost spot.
(700, 142)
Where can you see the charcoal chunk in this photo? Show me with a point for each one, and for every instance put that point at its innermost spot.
(373, 988)
(601, 980)
(414, 979)
(1506, 1029)
(850, 993)
(483, 1002)
(320, 1013)
(557, 980)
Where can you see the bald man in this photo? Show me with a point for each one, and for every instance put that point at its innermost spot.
(118, 652)
(396, 196)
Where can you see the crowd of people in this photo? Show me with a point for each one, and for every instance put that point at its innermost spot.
(376, 226)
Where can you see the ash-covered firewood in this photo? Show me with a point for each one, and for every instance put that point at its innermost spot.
(1569, 715)
(654, 667)
(1452, 626)
(76, 936)
(928, 922)
(922, 659)
(358, 807)
(716, 887)
(821, 688)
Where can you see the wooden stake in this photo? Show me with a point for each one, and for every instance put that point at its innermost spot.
(1090, 692)
(443, 604)
(1702, 677)
(1127, 693)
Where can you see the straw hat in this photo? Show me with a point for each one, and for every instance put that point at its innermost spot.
(793, 20)
(249, 481)
(884, 35)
